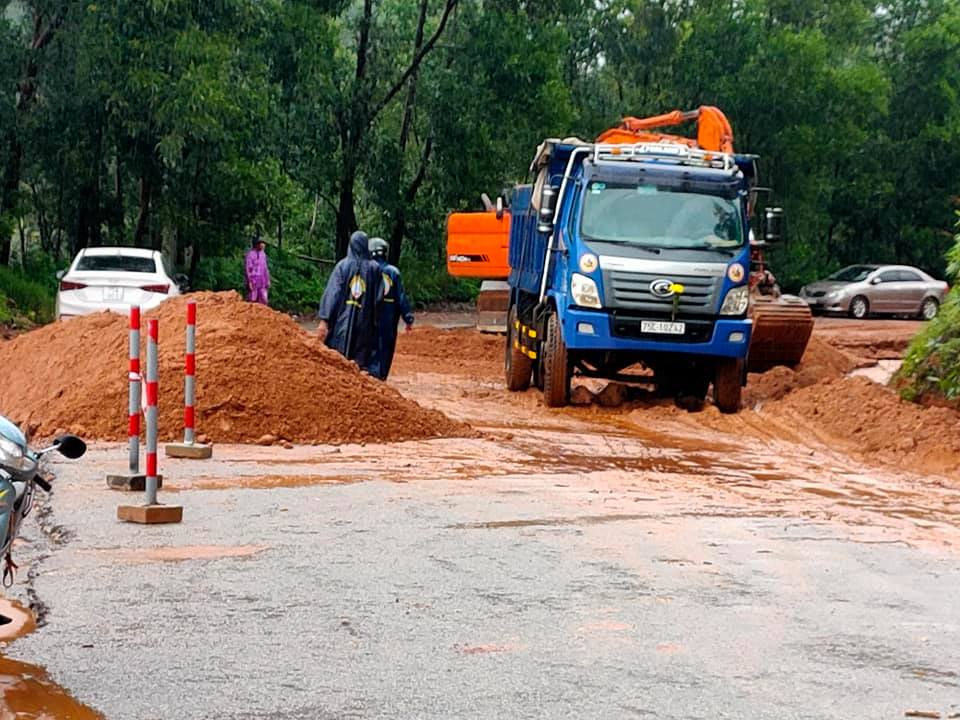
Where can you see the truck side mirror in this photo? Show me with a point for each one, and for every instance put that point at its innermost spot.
(773, 232)
(548, 203)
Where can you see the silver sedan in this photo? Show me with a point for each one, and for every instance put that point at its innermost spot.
(861, 290)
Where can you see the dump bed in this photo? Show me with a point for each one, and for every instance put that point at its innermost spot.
(527, 246)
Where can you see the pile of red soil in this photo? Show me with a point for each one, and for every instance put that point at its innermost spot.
(821, 362)
(876, 423)
(820, 400)
(258, 374)
(457, 351)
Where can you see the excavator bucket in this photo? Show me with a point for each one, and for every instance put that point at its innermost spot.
(781, 331)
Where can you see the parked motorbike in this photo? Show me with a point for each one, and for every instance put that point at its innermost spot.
(21, 471)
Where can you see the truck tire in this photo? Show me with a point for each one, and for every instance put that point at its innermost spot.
(556, 366)
(517, 366)
(728, 384)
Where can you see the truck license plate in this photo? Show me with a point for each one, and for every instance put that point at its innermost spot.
(113, 293)
(663, 328)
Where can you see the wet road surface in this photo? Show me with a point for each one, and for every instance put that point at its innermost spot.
(579, 563)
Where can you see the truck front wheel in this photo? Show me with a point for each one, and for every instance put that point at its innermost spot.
(728, 384)
(556, 366)
(517, 366)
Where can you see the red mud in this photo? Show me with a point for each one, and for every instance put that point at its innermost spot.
(258, 373)
(819, 401)
(457, 351)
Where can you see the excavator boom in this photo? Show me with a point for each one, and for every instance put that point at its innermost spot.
(713, 129)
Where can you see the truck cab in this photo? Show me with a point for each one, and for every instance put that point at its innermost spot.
(625, 255)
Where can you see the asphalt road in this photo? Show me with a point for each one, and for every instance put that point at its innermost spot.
(569, 564)
(527, 596)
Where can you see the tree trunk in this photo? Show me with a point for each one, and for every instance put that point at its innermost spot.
(346, 216)
(8, 192)
(143, 216)
(23, 243)
(194, 258)
(399, 228)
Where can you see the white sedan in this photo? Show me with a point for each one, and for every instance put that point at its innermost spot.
(114, 278)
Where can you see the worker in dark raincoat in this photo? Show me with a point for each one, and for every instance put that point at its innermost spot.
(394, 305)
(348, 309)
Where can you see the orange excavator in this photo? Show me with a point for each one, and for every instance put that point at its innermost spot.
(478, 244)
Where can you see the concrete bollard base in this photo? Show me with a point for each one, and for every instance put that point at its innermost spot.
(134, 483)
(150, 514)
(189, 451)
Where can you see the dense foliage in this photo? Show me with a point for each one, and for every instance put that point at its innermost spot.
(931, 369)
(187, 126)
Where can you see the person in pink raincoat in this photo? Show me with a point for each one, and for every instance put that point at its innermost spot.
(258, 274)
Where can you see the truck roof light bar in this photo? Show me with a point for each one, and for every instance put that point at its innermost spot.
(665, 153)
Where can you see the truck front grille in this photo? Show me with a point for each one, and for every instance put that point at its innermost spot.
(631, 291)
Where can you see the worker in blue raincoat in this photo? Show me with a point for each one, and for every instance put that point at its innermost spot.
(394, 305)
(348, 309)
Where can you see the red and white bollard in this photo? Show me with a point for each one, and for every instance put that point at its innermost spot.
(153, 384)
(151, 512)
(189, 448)
(133, 479)
(133, 377)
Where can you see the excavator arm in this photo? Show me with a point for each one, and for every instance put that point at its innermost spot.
(713, 129)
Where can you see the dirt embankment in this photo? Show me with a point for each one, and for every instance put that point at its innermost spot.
(455, 351)
(820, 401)
(258, 374)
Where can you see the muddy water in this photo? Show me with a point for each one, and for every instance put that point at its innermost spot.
(681, 460)
(26, 692)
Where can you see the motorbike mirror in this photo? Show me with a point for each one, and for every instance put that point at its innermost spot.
(70, 446)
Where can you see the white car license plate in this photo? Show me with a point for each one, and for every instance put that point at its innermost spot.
(663, 328)
(113, 293)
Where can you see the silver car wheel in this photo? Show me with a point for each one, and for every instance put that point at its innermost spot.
(859, 308)
(929, 309)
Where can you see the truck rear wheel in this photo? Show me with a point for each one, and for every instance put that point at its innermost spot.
(556, 366)
(517, 366)
(728, 384)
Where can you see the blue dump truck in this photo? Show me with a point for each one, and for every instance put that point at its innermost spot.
(629, 260)
(626, 254)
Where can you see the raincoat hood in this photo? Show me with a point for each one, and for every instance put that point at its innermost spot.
(359, 246)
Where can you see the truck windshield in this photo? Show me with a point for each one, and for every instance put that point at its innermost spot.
(650, 216)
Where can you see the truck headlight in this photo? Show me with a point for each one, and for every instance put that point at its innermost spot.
(736, 301)
(584, 291)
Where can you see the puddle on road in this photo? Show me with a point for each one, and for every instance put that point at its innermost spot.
(26, 691)
(178, 553)
(266, 482)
